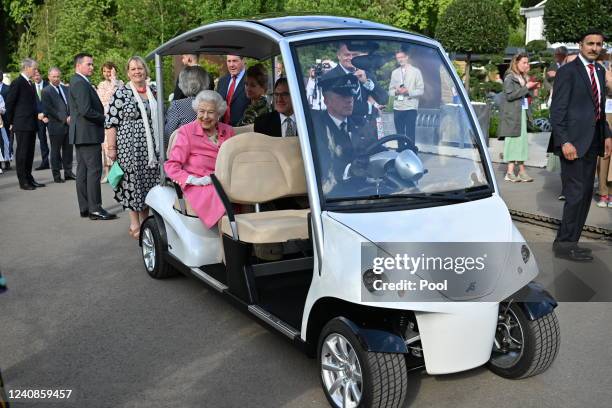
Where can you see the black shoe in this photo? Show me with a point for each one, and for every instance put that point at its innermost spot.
(102, 214)
(27, 186)
(37, 184)
(574, 255)
(583, 250)
(42, 167)
(68, 175)
(85, 214)
(59, 179)
(7, 166)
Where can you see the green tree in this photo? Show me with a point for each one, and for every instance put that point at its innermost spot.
(473, 26)
(382, 11)
(566, 20)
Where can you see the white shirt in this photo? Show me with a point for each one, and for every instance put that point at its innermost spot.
(25, 76)
(84, 77)
(238, 78)
(586, 63)
(412, 79)
(284, 123)
(60, 91)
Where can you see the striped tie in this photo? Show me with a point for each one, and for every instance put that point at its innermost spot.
(594, 90)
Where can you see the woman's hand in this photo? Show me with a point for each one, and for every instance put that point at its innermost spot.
(532, 84)
(111, 153)
(198, 181)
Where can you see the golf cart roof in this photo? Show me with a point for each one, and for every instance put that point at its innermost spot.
(257, 38)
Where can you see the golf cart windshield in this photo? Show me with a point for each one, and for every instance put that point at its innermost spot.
(386, 122)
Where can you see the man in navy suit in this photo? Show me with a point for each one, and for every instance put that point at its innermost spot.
(39, 85)
(23, 114)
(55, 105)
(580, 133)
(231, 88)
(367, 85)
(280, 122)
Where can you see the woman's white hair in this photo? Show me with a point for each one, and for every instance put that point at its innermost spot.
(212, 97)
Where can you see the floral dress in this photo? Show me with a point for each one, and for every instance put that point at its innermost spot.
(124, 115)
(254, 110)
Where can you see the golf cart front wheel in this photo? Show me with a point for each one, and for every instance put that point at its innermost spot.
(152, 251)
(354, 377)
(523, 348)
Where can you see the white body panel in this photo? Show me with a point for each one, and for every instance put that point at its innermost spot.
(188, 239)
(455, 336)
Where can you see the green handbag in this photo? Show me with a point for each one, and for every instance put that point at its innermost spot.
(115, 175)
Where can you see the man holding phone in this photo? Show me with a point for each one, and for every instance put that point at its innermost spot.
(406, 86)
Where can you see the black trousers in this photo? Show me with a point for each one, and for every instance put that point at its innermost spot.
(577, 178)
(405, 122)
(44, 146)
(61, 153)
(24, 156)
(89, 172)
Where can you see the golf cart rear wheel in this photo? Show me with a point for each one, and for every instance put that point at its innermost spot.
(523, 348)
(354, 377)
(152, 251)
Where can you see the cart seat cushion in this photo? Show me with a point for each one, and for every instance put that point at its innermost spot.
(188, 209)
(269, 226)
(255, 168)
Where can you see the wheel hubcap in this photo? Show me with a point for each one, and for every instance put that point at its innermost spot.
(509, 340)
(148, 249)
(341, 371)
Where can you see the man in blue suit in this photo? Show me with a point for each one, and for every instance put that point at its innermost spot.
(580, 133)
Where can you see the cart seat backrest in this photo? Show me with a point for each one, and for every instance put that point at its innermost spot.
(255, 168)
(238, 130)
(171, 142)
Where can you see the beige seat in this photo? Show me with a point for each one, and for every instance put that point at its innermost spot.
(243, 129)
(255, 168)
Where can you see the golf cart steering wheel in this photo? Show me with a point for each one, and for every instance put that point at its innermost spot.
(403, 143)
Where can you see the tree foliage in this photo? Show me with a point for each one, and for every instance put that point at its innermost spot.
(566, 20)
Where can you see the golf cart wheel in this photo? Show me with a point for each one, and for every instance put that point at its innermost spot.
(354, 377)
(152, 251)
(523, 348)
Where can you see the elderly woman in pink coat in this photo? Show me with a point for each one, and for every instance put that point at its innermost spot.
(194, 155)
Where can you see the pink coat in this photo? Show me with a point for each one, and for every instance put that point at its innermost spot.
(194, 154)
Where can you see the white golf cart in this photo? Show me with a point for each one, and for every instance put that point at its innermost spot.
(323, 287)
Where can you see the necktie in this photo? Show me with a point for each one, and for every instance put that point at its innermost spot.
(344, 130)
(37, 90)
(290, 129)
(594, 90)
(61, 93)
(228, 99)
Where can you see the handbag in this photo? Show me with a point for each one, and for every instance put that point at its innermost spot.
(115, 175)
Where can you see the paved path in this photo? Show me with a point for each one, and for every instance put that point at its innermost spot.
(82, 314)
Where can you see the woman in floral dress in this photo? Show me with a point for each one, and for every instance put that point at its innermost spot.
(133, 140)
(106, 89)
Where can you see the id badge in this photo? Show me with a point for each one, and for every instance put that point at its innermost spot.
(525, 104)
(400, 97)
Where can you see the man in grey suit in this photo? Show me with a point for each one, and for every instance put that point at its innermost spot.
(86, 133)
(55, 106)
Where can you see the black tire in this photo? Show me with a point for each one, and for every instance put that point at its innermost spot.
(384, 379)
(541, 340)
(151, 239)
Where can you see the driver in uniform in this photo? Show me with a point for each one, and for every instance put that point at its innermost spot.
(341, 136)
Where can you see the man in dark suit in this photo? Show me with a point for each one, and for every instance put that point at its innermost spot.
(22, 114)
(580, 132)
(55, 106)
(367, 85)
(341, 136)
(5, 145)
(231, 87)
(280, 122)
(39, 85)
(86, 133)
